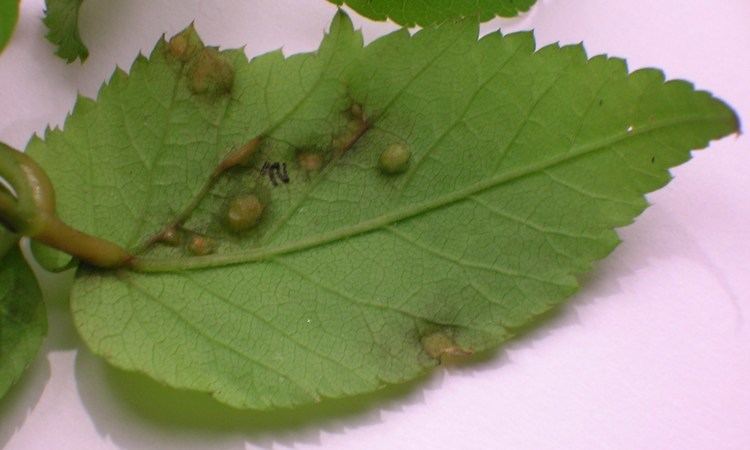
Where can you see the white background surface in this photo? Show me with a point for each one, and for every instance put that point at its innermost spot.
(654, 353)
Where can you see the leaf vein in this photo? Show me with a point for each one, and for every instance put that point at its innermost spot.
(269, 324)
(208, 337)
(379, 306)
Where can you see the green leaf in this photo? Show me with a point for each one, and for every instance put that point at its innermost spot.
(61, 17)
(51, 259)
(8, 19)
(23, 319)
(418, 12)
(506, 171)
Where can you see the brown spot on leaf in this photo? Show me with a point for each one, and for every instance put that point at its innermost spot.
(394, 159)
(355, 129)
(356, 111)
(244, 213)
(185, 45)
(201, 245)
(310, 161)
(210, 73)
(441, 346)
(171, 237)
(240, 156)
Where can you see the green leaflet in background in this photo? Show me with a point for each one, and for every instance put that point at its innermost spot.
(8, 19)
(51, 259)
(419, 12)
(23, 318)
(61, 17)
(522, 162)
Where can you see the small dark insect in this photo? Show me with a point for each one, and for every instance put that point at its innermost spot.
(275, 171)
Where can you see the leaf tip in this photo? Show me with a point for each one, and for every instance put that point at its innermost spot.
(342, 27)
(736, 122)
(82, 104)
(525, 40)
(184, 45)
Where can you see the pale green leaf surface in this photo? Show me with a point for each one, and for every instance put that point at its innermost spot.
(61, 18)
(23, 318)
(430, 12)
(8, 19)
(51, 259)
(522, 165)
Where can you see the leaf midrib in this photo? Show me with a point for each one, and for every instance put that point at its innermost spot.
(152, 264)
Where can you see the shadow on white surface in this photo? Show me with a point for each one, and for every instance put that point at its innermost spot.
(18, 403)
(658, 236)
(119, 401)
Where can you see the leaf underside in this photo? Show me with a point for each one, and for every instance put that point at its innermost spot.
(8, 19)
(418, 12)
(61, 18)
(23, 319)
(522, 164)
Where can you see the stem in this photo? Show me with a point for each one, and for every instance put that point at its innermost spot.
(39, 187)
(93, 250)
(31, 212)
